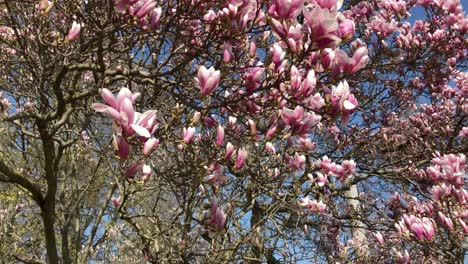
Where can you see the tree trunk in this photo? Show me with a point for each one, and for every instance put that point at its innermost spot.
(257, 243)
(49, 233)
(358, 232)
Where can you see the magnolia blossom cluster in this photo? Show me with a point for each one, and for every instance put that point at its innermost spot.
(240, 154)
(342, 171)
(444, 191)
(129, 124)
(147, 12)
(448, 175)
(238, 14)
(215, 218)
(449, 169)
(45, 8)
(215, 174)
(295, 162)
(18, 107)
(420, 227)
(300, 121)
(299, 72)
(445, 211)
(323, 27)
(313, 205)
(304, 89)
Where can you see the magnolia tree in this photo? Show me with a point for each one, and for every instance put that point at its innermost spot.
(237, 131)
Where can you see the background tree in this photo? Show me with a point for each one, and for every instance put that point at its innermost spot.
(233, 131)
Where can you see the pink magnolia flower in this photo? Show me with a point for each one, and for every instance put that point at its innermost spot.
(145, 124)
(381, 26)
(428, 228)
(121, 5)
(150, 144)
(270, 148)
(207, 80)
(145, 11)
(227, 52)
(215, 174)
(347, 29)
(422, 228)
(252, 48)
(277, 56)
(116, 201)
(146, 171)
(74, 31)
(232, 121)
(296, 79)
(306, 144)
(323, 28)
(329, 4)
(379, 237)
(210, 16)
(445, 220)
(121, 109)
(146, 8)
(215, 217)
(241, 157)
(463, 224)
(403, 258)
(229, 151)
(321, 179)
(440, 190)
(308, 85)
(121, 146)
(188, 134)
(286, 9)
(328, 58)
(279, 28)
(134, 168)
(354, 64)
(343, 101)
(345, 169)
(271, 131)
(220, 135)
(327, 165)
(155, 17)
(253, 78)
(218, 218)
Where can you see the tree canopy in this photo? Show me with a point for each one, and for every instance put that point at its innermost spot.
(239, 131)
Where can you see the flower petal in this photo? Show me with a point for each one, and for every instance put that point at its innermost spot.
(141, 131)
